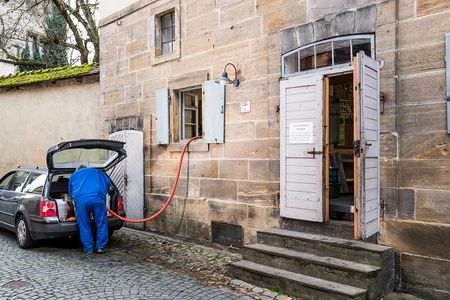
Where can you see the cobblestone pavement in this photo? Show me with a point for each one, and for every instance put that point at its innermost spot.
(59, 270)
(204, 263)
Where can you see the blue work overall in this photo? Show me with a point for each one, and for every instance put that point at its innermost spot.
(88, 188)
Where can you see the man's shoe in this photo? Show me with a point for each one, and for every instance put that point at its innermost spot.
(100, 251)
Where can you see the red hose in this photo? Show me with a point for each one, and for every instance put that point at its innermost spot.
(171, 193)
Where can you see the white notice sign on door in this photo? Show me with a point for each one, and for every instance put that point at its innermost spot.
(301, 133)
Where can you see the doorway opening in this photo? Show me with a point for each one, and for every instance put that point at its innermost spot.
(339, 159)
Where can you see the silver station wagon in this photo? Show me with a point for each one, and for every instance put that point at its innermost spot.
(35, 203)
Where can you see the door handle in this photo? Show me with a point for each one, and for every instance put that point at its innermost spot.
(125, 179)
(314, 152)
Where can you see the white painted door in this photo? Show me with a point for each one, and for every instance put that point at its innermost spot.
(301, 146)
(129, 174)
(367, 195)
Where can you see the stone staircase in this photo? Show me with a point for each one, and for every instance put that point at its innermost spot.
(314, 266)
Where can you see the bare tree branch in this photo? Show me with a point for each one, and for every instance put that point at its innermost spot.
(19, 17)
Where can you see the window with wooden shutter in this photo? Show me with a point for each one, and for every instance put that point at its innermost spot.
(213, 112)
(162, 116)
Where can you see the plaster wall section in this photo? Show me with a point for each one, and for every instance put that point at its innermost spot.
(33, 120)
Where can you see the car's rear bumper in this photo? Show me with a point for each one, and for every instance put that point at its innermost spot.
(42, 230)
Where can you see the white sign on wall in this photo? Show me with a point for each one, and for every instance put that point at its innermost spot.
(245, 107)
(301, 133)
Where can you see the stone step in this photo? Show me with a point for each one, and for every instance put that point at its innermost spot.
(294, 284)
(328, 268)
(335, 228)
(352, 250)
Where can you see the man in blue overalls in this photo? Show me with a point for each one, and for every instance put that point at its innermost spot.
(88, 188)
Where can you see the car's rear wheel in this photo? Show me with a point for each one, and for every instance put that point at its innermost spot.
(23, 235)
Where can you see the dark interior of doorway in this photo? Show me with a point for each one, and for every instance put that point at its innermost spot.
(341, 162)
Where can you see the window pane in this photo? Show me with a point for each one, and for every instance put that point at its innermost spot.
(35, 184)
(189, 116)
(18, 181)
(72, 158)
(323, 55)
(291, 63)
(166, 20)
(5, 182)
(307, 58)
(166, 48)
(361, 44)
(189, 101)
(31, 42)
(167, 35)
(341, 52)
(189, 131)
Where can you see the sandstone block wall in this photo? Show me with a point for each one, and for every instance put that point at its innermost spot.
(238, 182)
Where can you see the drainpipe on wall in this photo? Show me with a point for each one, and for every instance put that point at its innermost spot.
(397, 95)
(447, 74)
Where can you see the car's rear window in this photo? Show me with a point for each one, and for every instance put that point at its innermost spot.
(72, 158)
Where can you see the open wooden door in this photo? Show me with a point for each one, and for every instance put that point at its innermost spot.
(301, 146)
(367, 145)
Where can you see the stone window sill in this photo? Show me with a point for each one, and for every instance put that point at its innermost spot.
(198, 146)
(159, 59)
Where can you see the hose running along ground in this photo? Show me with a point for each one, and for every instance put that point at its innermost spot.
(174, 188)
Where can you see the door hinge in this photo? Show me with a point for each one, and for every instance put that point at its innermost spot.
(357, 148)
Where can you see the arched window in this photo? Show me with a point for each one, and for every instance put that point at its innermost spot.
(326, 54)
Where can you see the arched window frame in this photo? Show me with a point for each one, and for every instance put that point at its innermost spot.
(350, 38)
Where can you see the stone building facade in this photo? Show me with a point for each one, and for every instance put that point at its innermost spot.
(238, 182)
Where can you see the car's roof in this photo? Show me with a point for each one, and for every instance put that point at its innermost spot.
(33, 169)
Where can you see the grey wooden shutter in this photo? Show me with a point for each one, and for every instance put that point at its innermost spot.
(213, 112)
(162, 116)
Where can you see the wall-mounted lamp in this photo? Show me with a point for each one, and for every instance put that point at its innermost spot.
(224, 78)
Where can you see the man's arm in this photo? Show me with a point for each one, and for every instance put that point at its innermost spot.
(106, 181)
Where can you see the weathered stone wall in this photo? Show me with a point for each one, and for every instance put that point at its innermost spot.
(236, 182)
(35, 119)
(416, 164)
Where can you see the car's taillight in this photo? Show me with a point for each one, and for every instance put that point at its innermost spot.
(120, 203)
(47, 208)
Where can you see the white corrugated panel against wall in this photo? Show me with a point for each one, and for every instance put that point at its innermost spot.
(129, 174)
